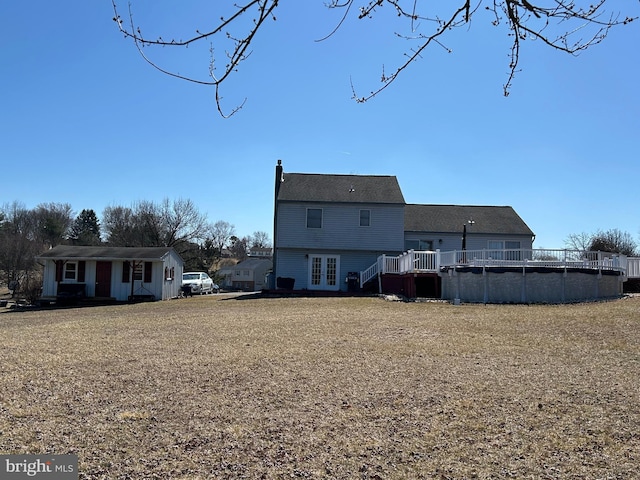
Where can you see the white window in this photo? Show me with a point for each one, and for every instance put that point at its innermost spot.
(419, 245)
(503, 244)
(365, 218)
(71, 271)
(504, 249)
(137, 270)
(314, 218)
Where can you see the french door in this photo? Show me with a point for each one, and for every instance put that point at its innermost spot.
(323, 272)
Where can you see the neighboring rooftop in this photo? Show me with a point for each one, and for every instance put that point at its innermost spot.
(105, 253)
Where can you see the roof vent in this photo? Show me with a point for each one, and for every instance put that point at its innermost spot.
(351, 189)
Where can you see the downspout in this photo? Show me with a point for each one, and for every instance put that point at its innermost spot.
(279, 179)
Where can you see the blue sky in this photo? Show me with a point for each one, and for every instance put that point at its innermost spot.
(84, 120)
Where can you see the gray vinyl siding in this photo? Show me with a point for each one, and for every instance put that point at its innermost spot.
(295, 264)
(446, 242)
(341, 228)
(482, 242)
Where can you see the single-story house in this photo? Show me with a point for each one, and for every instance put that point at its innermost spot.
(116, 273)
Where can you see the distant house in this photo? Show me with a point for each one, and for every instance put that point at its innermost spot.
(248, 275)
(260, 252)
(117, 273)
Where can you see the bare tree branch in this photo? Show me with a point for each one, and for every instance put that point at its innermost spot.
(264, 10)
(562, 25)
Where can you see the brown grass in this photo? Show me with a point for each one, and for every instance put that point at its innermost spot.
(326, 388)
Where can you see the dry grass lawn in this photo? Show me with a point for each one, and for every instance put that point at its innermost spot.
(338, 388)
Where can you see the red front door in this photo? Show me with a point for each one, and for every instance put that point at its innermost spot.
(103, 279)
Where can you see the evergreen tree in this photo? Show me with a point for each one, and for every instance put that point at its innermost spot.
(86, 229)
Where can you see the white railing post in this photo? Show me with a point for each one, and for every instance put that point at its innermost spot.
(599, 262)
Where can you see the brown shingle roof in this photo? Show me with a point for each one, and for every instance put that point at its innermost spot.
(105, 253)
(302, 187)
(451, 218)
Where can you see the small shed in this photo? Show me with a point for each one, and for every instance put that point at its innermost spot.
(115, 273)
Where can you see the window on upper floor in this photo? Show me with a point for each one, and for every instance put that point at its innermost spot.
(365, 218)
(314, 218)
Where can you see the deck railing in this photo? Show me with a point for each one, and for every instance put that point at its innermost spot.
(431, 261)
(633, 267)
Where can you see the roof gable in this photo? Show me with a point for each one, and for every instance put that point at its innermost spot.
(302, 187)
(452, 218)
(74, 252)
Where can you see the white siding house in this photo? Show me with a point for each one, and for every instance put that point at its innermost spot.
(117, 273)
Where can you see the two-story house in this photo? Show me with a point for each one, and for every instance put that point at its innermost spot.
(328, 226)
(248, 275)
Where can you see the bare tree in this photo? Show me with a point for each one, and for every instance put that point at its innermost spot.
(259, 239)
(52, 223)
(560, 24)
(614, 241)
(23, 235)
(118, 224)
(148, 224)
(17, 241)
(579, 241)
(183, 222)
(220, 234)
